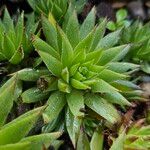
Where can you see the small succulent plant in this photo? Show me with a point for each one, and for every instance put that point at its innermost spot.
(84, 72)
(57, 7)
(120, 22)
(15, 40)
(138, 35)
(137, 137)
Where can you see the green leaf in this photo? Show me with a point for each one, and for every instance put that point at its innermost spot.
(65, 75)
(8, 22)
(43, 140)
(96, 69)
(119, 142)
(17, 56)
(114, 54)
(36, 142)
(139, 132)
(16, 146)
(29, 74)
(18, 89)
(74, 69)
(32, 4)
(57, 143)
(85, 43)
(73, 126)
(88, 24)
(72, 30)
(53, 65)
(19, 127)
(63, 86)
(79, 85)
(124, 85)
(110, 76)
(140, 143)
(102, 107)
(97, 140)
(19, 30)
(79, 5)
(103, 87)
(67, 50)
(55, 104)
(8, 47)
(83, 142)
(79, 57)
(99, 33)
(95, 55)
(111, 26)
(146, 67)
(78, 76)
(41, 45)
(116, 98)
(109, 40)
(121, 67)
(121, 15)
(66, 18)
(33, 95)
(50, 32)
(7, 93)
(75, 102)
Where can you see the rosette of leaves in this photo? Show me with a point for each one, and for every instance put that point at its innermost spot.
(14, 39)
(13, 134)
(138, 35)
(84, 73)
(121, 21)
(57, 7)
(137, 137)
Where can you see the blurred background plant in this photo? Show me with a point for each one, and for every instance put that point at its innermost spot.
(121, 21)
(57, 7)
(15, 37)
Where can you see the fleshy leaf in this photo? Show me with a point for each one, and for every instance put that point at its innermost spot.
(54, 65)
(83, 142)
(19, 127)
(97, 140)
(40, 45)
(109, 40)
(75, 102)
(114, 54)
(102, 107)
(7, 95)
(73, 126)
(72, 30)
(119, 142)
(88, 24)
(33, 95)
(55, 104)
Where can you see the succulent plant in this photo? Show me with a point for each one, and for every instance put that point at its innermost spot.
(84, 74)
(120, 22)
(137, 137)
(138, 35)
(14, 38)
(57, 7)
